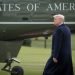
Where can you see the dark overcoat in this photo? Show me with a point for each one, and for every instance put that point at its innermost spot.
(61, 50)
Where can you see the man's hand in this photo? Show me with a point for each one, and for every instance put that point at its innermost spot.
(55, 60)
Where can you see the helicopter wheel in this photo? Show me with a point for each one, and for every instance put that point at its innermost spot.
(17, 70)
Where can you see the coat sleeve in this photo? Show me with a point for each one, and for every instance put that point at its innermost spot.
(58, 37)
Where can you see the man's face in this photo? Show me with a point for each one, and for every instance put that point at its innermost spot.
(57, 21)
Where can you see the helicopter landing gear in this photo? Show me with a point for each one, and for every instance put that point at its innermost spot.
(16, 70)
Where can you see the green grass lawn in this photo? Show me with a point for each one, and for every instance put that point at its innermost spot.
(33, 59)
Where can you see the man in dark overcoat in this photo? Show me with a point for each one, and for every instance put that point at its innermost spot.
(60, 62)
